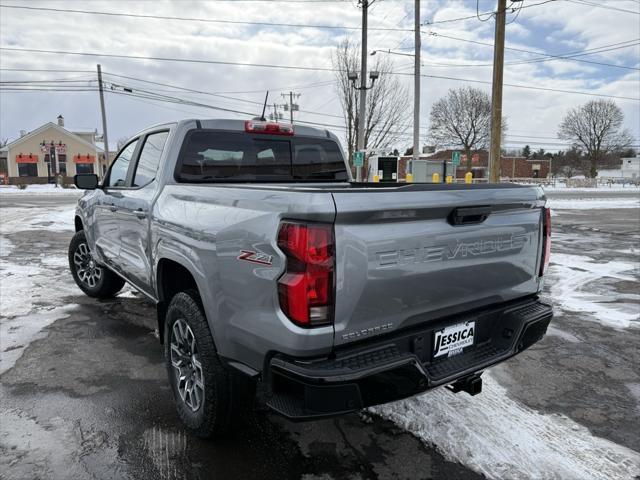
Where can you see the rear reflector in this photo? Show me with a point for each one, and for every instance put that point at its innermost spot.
(546, 240)
(305, 290)
(271, 128)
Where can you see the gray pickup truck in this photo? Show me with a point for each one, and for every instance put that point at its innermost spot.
(278, 278)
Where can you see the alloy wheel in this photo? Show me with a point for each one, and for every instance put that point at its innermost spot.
(89, 272)
(185, 359)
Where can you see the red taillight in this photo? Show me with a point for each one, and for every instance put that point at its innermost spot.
(306, 288)
(256, 126)
(546, 240)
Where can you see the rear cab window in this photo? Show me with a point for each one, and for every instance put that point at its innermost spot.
(218, 156)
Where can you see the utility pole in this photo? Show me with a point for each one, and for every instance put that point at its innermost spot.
(353, 78)
(363, 91)
(105, 138)
(496, 93)
(292, 107)
(416, 89)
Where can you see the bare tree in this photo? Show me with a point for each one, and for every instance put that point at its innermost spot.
(595, 128)
(122, 141)
(388, 102)
(462, 118)
(569, 163)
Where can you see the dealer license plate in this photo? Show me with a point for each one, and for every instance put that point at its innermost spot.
(453, 339)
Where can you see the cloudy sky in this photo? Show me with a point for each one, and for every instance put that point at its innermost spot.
(603, 37)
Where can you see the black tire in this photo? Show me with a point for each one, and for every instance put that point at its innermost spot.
(225, 396)
(93, 279)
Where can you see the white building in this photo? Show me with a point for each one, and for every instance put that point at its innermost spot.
(629, 169)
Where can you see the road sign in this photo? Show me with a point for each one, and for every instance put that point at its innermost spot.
(358, 159)
(455, 158)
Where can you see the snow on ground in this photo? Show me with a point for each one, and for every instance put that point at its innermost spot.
(599, 189)
(18, 332)
(503, 438)
(6, 246)
(573, 284)
(592, 203)
(47, 189)
(19, 219)
(30, 291)
(34, 276)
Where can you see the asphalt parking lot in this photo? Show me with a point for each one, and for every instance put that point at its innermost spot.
(84, 391)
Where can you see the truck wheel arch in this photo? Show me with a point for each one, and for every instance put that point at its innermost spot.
(78, 223)
(171, 277)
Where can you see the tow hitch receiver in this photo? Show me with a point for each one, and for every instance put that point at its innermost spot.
(472, 385)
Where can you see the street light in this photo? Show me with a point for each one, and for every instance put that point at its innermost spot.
(392, 53)
(353, 78)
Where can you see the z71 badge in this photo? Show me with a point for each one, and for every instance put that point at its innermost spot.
(255, 257)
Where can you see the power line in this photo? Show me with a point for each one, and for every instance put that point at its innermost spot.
(212, 94)
(44, 70)
(61, 80)
(295, 67)
(170, 59)
(477, 15)
(540, 60)
(599, 5)
(531, 87)
(204, 20)
(240, 22)
(297, 87)
(565, 56)
(180, 101)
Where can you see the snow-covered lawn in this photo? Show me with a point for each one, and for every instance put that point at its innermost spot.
(592, 203)
(599, 189)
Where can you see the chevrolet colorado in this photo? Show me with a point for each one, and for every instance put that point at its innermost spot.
(275, 276)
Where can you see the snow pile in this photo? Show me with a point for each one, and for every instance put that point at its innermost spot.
(20, 219)
(573, 280)
(503, 438)
(47, 189)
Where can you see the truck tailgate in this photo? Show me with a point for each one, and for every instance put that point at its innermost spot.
(406, 255)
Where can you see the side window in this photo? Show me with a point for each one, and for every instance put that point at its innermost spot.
(120, 166)
(149, 158)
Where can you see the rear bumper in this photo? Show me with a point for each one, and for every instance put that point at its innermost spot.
(400, 365)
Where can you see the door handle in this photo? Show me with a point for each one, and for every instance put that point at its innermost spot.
(113, 208)
(141, 214)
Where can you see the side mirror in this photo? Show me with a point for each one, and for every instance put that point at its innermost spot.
(86, 181)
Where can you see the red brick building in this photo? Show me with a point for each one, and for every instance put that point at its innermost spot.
(511, 167)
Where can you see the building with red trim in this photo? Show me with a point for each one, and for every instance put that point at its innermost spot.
(52, 152)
